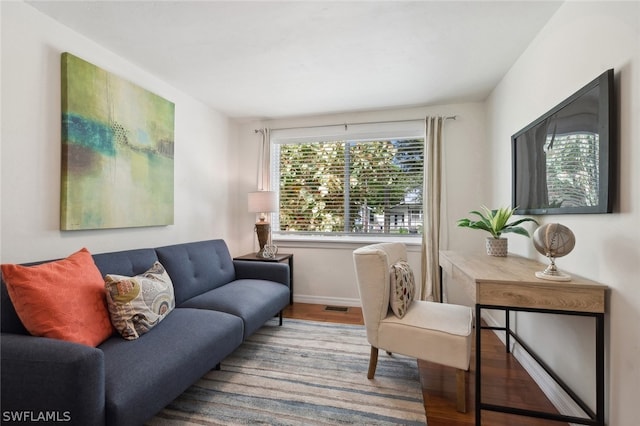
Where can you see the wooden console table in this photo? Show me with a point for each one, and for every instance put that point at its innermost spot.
(509, 284)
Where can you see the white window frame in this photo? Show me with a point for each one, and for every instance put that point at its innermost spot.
(357, 132)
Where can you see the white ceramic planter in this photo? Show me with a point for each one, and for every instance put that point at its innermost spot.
(497, 246)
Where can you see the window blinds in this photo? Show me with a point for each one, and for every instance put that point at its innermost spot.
(358, 179)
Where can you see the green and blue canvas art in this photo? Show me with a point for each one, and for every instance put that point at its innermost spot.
(117, 151)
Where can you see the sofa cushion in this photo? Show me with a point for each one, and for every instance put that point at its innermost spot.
(144, 375)
(9, 320)
(197, 267)
(402, 288)
(137, 304)
(63, 299)
(255, 301)
(126, 262)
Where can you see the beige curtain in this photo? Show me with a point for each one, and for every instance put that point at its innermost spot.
(431, 208)
(264, 160)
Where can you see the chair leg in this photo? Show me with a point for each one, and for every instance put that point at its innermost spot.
(461, 391)
(373, 362)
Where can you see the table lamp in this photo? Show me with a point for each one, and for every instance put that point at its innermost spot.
(262, 202)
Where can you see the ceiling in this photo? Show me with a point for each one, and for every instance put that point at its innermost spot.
(269, 59)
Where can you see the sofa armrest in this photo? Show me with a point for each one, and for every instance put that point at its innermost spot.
(51, 379)
(271, 271)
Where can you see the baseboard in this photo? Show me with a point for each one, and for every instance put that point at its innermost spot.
(320, 300)
(556, 395)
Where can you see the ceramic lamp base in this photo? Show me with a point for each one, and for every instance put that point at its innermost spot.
(262, 230)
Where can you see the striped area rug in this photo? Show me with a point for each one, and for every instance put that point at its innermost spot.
(303, 373)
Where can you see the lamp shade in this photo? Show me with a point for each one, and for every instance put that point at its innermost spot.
(263, 202)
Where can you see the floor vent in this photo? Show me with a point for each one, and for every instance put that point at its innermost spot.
(336, 308)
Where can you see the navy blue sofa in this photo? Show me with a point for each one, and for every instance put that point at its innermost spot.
(219, 302)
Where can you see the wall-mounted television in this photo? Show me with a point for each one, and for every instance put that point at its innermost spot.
(563, 162)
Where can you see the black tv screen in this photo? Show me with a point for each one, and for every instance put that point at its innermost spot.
(563, 162)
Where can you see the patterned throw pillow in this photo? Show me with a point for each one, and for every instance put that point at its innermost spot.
(63, 299)
(403, 288)
(137, 304)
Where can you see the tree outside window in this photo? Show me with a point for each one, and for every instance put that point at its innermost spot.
(350, 187)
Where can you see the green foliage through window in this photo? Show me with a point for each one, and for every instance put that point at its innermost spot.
(350, 187)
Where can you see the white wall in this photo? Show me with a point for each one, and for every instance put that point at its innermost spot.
(582, 40)
(324, 272)
(30, 161)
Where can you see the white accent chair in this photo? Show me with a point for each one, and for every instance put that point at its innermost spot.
(431, 331)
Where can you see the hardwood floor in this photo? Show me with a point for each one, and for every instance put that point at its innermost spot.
(306, 311)
(504, 380)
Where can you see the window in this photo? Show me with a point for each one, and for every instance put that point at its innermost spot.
(352, 179)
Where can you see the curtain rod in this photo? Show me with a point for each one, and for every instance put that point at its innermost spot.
(451, 117)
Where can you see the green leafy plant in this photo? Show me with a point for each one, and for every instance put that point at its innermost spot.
(496, 222)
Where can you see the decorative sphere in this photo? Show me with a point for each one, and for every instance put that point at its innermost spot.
(554, 240)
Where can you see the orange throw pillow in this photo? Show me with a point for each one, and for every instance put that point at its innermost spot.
(63, 299)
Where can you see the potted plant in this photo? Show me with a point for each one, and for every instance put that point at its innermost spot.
(496, 222)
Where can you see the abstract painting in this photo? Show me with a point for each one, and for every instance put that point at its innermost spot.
(117, 151)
